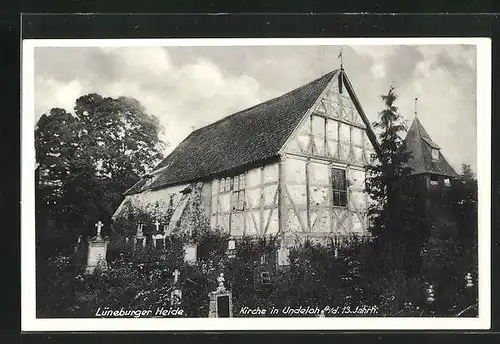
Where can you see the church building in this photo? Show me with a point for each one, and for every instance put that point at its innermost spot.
(291, 166)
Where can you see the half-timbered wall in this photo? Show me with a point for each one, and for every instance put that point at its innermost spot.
(247, 203)
(322, 177)
(148, 200)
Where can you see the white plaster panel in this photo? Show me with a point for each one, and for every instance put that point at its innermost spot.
(322, 222)
(320, 146)
(250, 229)
(356, 179)
(256, 216)
(225, 202)
(215, 204)
(253, 197)
(333, 149)
(253, 177)
(297, 194)
(215, 186)
(318, 195)
(358, 201)
(292, 222)
(237, 223)
(271, 173)
(345, 133)
(274, 224)
(269, 194)
(303, 141)
(357, 136)
(358, 155)
(295, 170)
(318, 126)
(318, 173)
(331, 129)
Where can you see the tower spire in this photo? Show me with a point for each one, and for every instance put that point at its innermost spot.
(341, 57)
(415, 111)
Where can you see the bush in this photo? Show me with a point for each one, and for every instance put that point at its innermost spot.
(318, 276)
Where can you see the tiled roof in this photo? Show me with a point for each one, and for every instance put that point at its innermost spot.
(420, 145)
(253, 135)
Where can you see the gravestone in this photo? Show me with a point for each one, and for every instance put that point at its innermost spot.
(97, 251)
(221, 302)
(176, 294)
(190, 253)
(231, 248)
(139, 237)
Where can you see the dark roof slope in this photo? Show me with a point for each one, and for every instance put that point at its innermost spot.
(241, 139)
(420, 145)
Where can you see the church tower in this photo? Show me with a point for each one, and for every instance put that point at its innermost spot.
(428, 164)
(431, 178)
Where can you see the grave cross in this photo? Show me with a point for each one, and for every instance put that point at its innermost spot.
(99, 226)
(176, 274)
(157, 224)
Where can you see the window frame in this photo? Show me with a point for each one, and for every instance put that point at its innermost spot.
(337, 200)
(238, 193)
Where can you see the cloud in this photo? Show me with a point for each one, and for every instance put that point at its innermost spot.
(189, 87)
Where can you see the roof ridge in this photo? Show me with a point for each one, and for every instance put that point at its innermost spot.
(250, 135)
(333, 72)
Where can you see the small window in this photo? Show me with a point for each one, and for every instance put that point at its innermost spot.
(435, 154)
(447, 182)
(434, 180)
(227, 186)
(339, 186)
(221, 185)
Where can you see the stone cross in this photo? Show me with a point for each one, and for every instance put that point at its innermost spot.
(157, 224)
(139, 229)
(99, 226)
(176, 274)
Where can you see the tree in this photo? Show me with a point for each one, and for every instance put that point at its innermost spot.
(464, 203)
(387, 184)
(87, 160)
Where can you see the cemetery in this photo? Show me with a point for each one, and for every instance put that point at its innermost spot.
(277, 211)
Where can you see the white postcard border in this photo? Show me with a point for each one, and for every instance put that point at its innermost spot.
(29, 322)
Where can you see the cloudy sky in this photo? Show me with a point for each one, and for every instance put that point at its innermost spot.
(189, 87)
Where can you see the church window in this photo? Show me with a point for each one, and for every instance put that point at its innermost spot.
(339, 186)
(221, 185)
(238, 194)
(434, 180)
(435, 154)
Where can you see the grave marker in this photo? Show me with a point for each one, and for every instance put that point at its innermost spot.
(221, 303)
(97, 251)
(190, 253)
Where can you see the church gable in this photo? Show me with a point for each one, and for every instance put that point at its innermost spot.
(333, 128)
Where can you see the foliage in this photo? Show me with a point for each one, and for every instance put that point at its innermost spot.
(387, 184)
(85, 161)
(318, 276)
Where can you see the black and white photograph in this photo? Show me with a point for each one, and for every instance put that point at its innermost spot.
(197, 184)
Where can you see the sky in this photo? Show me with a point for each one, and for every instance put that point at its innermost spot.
(189, 87)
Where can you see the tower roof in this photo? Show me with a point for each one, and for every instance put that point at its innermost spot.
(420, 145)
